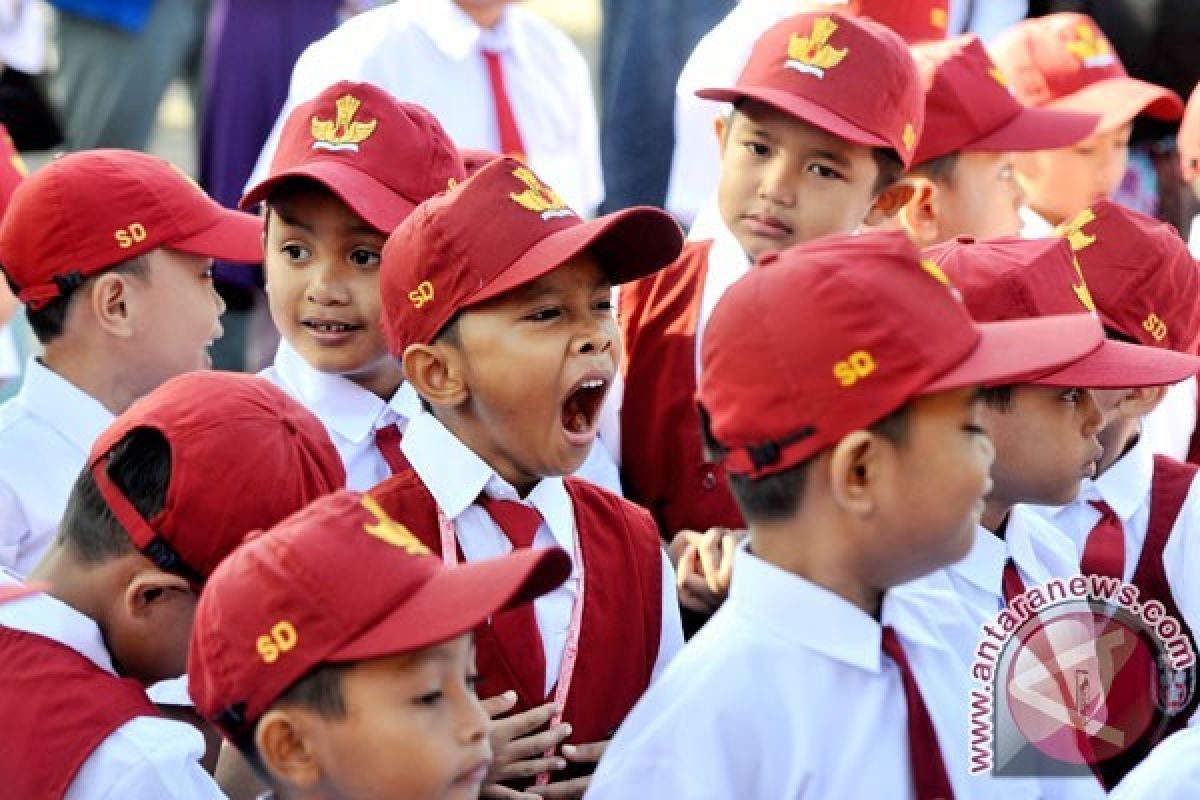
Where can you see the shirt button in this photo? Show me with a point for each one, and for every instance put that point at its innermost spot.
(709, 481)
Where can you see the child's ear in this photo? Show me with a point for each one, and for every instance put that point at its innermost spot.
(286, 751)
(149, 587)
(889, 202)
(436, 372)
(854, 471)
(110, 303)
(721, 128)
(1137, 403)
(919, 216)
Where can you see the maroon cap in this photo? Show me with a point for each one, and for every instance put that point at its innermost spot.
(1143, 279)
(244, 455)
(915, 20)
(380, 156)
(340, 582)
(833, 335)
(85, 212)
(501, 229)
(1063, 61)
(969, 107)
(850, 76)
(1011, 278)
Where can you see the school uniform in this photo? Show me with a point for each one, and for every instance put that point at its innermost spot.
(786, 692)
(76, 730)
(433, 54)
(662, 319)
(46, 431)
(353, 416)
(1170, 428)
(1170, 772)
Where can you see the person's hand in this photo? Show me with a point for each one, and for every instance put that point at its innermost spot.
(575, 787)
(705, 567)
(1188, 140)
(519, 745)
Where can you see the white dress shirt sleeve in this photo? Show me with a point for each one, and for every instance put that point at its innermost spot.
(1168, 428)
(1170, 772)
(147, 758)
(670, 640)
(14, 527)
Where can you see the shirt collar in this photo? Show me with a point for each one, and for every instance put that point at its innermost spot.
(455, 475)
(984, 563)
(1126, 484)
(48, 616)
(458, 37)
(63, 406)
(1019, 536)
(346, 408)
(727, 250)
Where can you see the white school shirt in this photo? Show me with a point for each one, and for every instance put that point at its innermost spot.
(786, 693)
(727, 264)
(429, 52)
(456, 476)
(46, 432)
(1168, 429)
(147, 758)
(1170, 772)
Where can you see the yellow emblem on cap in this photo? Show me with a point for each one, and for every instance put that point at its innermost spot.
(812, 54)
(909, 136)
(1072, 230)
(938, 18)
(935, 271)
(390, 531)
(1090, 47)
(998, 76)
(1155, 326)
(343, 132)
(538, 197)
(852, 369)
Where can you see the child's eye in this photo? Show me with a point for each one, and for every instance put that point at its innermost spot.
(544, 315)
(362, 257)
(472, 681)
(1072, 395)
(604, 305)
(975, 430)
(295, 252)
(757, 148)
(207, 275)
(429, 699)
(823, 171)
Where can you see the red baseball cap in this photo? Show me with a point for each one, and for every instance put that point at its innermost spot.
(1141, 275)
(849, 76)
(12, 168)
(915, 20)
(380, 156)
(339, 582)
(969, 106)
(88, 211)
(1063, 61)
(499, 230)
(1011, 278)
(833, 335)
(244, 455)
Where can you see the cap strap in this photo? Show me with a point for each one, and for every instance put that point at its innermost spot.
(765, 454)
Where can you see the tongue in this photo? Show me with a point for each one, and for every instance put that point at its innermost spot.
(573, 418)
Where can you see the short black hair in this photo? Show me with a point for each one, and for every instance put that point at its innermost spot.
(778, 496)
(49, 321)
(140, 466)
(289, 188)
(889, 167)
(939, 170)
(998, 398)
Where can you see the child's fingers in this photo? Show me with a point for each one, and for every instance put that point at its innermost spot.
(729, 543)
(534, 746)
(499, 704)
(495, 791)
(588, 752)
(564, 790)
(530, 767)
(518, 725)
(695, 595)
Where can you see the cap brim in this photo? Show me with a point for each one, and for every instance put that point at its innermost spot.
(800, 107)
(1119, 365)
(628, 245)
(1037, 129)
(1012, 351)
(1119, 100)
(457, 599)
(234, 236)
(381, 207)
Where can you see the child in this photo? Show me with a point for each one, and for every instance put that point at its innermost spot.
(110, 251)
(496, 295)
(963, 168)
(839, 388)
(1063, 61)
(163, 498)
(367, 693)
(1137, 519)
(826, 115)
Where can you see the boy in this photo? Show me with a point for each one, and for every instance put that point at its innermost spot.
(963, 178)
(110, 252)
(839, 390)
(163, 498)
(367, 693)
(1137, 519)
(496, 295)
(351, 164)
(826, 115)
(1063, 61)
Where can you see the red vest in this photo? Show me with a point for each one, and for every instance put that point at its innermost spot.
(57, 708)
(622, 612)
(662, 453)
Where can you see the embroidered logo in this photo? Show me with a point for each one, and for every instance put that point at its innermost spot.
(935, 272)
(854, 368)
(1092, 49)
(390, 531)
(813, 54)
(909, 136)
(127, 237)
(343, 133)
(938, 18)
(538, 197)
(1080, 240)
(421, 295)
(281, 639)
(1154, 326)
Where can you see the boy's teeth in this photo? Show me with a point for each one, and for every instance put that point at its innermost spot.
(595, 383)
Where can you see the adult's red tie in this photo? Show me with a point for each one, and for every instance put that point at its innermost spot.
(511, 143)
(517, 629)
(387, 439)
(1104, 550)
(930, 778)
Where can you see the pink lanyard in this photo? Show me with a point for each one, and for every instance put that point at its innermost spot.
(566, 669)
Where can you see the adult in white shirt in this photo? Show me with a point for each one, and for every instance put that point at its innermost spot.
(432, 53)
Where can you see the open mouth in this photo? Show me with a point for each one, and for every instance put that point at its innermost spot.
(581, 409)
(326, 326)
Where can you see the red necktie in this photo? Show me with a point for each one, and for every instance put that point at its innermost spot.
(387, 439)
(1104, 550)
(517, 628)
(924, 753)
(1011, 582)
(511, 143)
